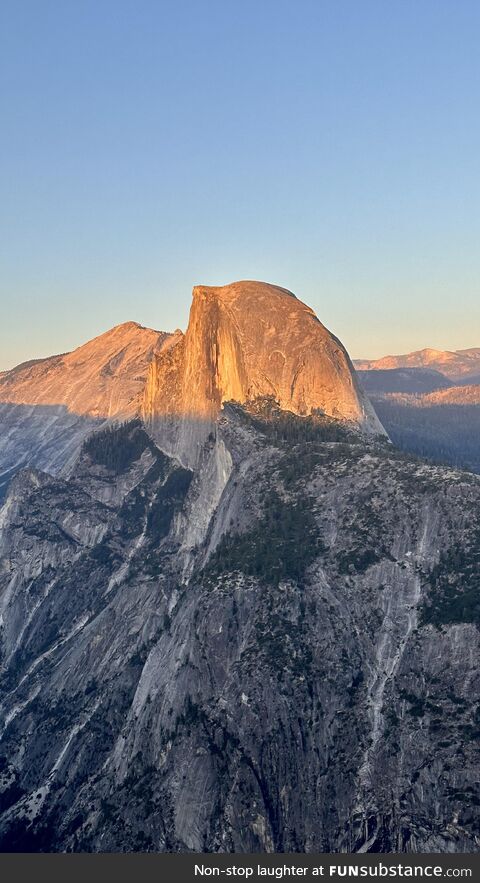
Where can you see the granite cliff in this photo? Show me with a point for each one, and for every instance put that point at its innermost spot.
(48, 406)
(246, 340)
(245, 622)
(243, 340)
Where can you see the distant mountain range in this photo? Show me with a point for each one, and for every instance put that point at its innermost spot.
(429, 402)
(459, 366)
(234, 617)
(406, 380)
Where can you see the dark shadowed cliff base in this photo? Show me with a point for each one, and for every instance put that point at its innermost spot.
(303, 678)
(233, 616)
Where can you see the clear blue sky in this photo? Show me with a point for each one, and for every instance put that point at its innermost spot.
(331, 146)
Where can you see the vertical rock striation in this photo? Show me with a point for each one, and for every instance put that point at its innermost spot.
(246, 340)
(239, 625)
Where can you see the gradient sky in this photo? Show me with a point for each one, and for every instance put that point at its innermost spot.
(330, 146)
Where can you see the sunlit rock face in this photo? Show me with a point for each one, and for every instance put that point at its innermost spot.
(48, 406)
(246, 340)
(103, 378)
(243, 340)
(460, 366)
(274, 651)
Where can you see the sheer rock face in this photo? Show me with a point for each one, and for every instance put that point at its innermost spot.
(246, 340)
(278, 651)
(311, 685)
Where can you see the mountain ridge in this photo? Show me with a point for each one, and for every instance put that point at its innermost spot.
(455, 364)
(49, 406)
(291, 677)
(62, 379)
(245, 340)
(231, 621)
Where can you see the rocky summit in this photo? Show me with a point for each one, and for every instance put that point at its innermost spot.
(239, 619)
(243, 341)
(48, 406)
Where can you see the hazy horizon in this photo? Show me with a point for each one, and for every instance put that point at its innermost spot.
(329, 147)
(377, 351)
